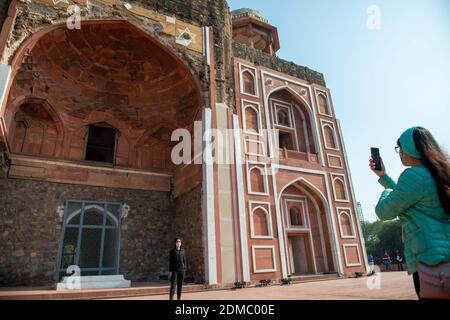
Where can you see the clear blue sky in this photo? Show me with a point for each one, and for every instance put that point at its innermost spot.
(382, 81)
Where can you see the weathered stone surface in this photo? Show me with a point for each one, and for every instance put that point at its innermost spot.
(30, 227)
(264, 59)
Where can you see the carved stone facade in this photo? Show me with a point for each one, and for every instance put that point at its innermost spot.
(86, 119)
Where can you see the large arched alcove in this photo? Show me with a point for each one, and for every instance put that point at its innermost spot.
(109, 86)
(110, 68)
(294, 120)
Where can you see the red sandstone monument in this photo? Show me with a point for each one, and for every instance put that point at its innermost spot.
(87, 179)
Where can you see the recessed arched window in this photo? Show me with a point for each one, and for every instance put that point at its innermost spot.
(330, 140)
(261, 224)
(248, 83)
(257, 180)
(324, 107)
(346, 224)
(339, 189)
(252, 120)
(296, 217)
(37, 129)
(283, 118)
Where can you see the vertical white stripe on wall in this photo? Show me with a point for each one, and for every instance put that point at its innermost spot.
(241, 201)
(209, 235)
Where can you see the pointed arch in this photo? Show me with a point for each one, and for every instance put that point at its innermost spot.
(248, 83)
(323, 104)
(299, 107)
(328, 211)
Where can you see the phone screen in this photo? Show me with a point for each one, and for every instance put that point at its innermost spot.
(376, 158)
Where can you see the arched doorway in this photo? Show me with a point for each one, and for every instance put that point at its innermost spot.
(307, 241)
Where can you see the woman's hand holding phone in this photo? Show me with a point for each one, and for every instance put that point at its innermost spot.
(379, 173)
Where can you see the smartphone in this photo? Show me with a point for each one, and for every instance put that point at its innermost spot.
(376, 158)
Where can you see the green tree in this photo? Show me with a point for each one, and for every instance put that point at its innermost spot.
(381, 236)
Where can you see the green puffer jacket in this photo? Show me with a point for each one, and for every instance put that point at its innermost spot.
(426, 226)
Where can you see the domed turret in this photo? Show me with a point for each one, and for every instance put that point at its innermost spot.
(247, 12)
(253, 30)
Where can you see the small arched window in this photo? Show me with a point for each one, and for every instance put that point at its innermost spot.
(101, 143)
(257, 180)
(251, 119)
(296, 217)
(261, 225)
(248, 82)
(283, 118)
(330, 140)
(324, 107)
(339, 190)
(346, 224)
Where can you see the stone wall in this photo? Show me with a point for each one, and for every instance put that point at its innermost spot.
(188, 225)
(30, 230)
(4, 5)
(272, 62)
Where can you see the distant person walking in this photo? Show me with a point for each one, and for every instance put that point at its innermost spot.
(387, 261)
(399, 260)
(370, 259)
(177, 268)
(421, 199)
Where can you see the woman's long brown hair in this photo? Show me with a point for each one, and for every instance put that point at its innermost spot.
(436, 161)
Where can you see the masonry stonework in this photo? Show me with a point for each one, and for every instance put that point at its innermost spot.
(30, 235)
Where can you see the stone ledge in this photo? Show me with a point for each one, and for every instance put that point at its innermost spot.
(264, 59)
(94, 282)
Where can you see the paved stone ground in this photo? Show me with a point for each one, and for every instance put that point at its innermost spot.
(394, 286)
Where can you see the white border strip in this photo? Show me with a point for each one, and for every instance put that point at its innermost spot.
(208, 198)
(206, 50)
(241, 201)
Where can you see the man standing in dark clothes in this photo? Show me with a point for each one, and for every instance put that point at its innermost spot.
(177, 268)
(399, 260)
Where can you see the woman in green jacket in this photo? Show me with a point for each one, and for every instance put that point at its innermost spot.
(421, 199)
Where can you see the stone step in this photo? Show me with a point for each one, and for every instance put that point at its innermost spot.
(51, 294)
(94, 282)
(315, 277)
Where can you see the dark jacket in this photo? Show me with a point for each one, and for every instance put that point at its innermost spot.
(177, 260)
